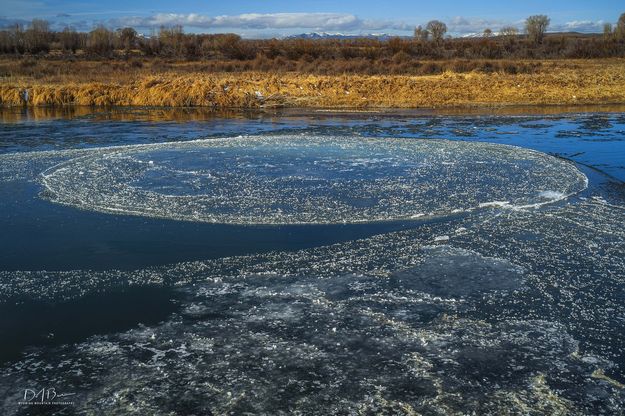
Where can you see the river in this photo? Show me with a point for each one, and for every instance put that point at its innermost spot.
(184, 261)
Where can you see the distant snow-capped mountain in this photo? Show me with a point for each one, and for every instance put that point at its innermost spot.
(326, 35)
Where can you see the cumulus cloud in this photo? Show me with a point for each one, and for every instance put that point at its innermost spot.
(259, 21)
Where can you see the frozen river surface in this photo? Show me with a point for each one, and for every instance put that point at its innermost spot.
(159, 262)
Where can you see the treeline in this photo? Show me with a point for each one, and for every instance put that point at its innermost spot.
(427, 43)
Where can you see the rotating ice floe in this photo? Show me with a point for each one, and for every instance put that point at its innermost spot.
(308, 180)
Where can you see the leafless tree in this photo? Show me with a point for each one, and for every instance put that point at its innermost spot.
(127, 38)
(172, 40)
(421, 34)
(536, 26)
(70, 39)
(608, 32)
(437, 29)
(509, 31)
(16, 38)
(101, 40)
(37, 36)
(620, 27)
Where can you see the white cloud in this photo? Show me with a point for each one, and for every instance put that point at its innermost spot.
(262, 24)
(584, 26)
(258, 21)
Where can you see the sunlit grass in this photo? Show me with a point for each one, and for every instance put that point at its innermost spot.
(94, 83)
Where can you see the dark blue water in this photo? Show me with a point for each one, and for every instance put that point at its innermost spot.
(38, 235)
(48, 236)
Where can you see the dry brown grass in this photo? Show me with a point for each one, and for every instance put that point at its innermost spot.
(88, 83)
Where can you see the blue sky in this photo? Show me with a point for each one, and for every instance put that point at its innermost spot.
(280, 17)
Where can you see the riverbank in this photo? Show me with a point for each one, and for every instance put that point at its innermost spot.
(567, 82)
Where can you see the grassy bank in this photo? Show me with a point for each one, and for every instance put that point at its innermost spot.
(94, 83)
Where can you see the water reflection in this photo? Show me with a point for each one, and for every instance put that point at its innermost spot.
(21, 114)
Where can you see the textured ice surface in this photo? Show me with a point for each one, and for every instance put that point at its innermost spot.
(495, 312)
(304, 179)
(367, 325)
(448, 271)
(348, 344)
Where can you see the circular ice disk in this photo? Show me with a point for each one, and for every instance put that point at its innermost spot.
(307, 180)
